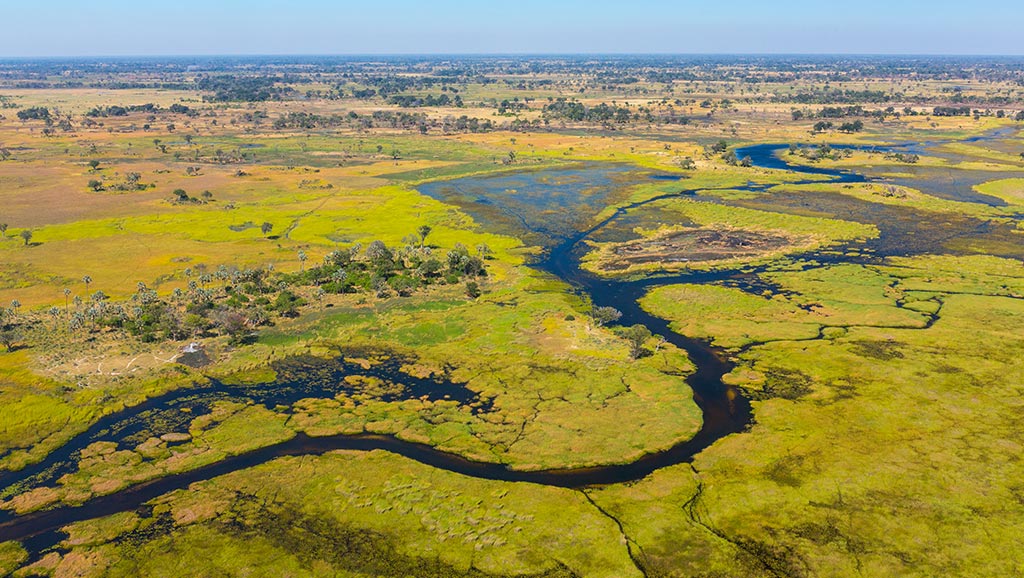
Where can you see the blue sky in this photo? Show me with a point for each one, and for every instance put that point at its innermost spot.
(134, 27)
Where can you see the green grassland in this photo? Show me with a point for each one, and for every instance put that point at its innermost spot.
(1009, 190)
(353, 514)
(859, 421)
(839, 475)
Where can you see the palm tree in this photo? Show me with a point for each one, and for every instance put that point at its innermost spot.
(302, 260)
(423, 231)
(67, 293)
(3, 230)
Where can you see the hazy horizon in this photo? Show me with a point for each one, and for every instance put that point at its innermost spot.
(397, 55)
(115, 28)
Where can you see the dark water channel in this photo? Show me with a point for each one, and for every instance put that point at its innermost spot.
(549, 207)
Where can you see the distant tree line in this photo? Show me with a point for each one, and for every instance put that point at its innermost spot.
(111, 111)
(382, 119)
(576, 111)
(256, 88)
(407, 101)
(836, 96)
(34, 113)
(951, 111)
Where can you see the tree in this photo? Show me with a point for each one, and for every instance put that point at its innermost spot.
(94, 164)
(403, 284)
(302, 260)
(411, 240)
(637, 335)
(341, 257)
(3, 229)
(266, 228)
(430, 268)
(379, 254)
(96, 185)
(821, 126)
(473, 290)
(26, 234)
(605, 315)
(233, 324)
(8, 337)
(848, 127)
(423, 231)
(87, 280)
(319, 294)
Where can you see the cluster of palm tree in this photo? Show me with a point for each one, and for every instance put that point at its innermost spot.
(235, 302)
(402, 270)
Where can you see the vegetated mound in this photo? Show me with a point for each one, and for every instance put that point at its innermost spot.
(697, 245)
(700, 235)
(671, 248)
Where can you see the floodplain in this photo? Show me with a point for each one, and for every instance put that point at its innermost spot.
(511, 317)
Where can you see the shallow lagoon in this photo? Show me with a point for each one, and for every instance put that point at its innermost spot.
(543, 206)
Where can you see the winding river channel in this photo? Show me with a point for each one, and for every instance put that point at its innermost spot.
(725, 410)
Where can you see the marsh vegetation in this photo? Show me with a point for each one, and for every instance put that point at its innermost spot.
(511, 316)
